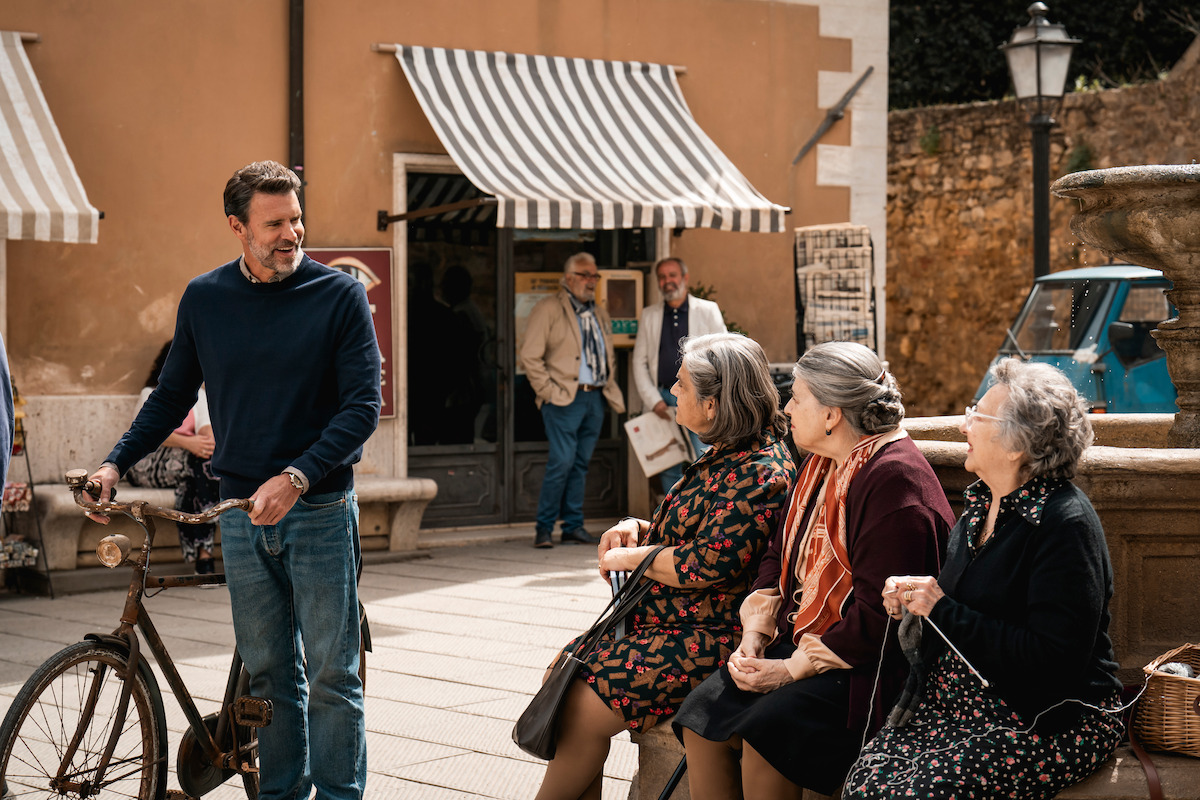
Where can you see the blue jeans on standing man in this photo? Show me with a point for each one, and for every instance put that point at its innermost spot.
(671, 475)
(572, 431)
(294, 593)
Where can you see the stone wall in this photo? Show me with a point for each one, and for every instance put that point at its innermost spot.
(960, 231)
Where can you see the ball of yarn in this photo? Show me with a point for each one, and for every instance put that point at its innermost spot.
(1177, 668)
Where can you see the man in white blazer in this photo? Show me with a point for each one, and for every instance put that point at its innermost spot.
(656, 354)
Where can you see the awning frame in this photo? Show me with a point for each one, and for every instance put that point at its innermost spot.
(384, 219)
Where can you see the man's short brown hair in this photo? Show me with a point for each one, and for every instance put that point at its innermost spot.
(269, 177)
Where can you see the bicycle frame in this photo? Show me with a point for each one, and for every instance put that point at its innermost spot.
(134, 617)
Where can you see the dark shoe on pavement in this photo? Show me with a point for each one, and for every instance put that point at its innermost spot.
(542, 539)
(579, 536)
(205, 566)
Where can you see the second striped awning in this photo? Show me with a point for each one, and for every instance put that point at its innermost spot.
(581, 143)
(41, 196)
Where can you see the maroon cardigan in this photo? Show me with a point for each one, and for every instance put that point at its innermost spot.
(897, 523)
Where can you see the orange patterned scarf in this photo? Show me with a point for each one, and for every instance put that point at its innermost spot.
(826, 579)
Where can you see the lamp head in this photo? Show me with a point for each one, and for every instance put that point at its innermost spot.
(1039, 55)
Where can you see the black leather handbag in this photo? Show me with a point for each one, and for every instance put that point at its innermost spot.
(535, 729)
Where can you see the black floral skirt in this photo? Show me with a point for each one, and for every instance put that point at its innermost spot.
(966, 743)
(196, 490)
(800, 729)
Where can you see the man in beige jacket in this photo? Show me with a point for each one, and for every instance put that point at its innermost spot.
(567, 354)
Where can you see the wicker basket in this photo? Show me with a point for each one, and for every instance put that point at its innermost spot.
(1168, 715)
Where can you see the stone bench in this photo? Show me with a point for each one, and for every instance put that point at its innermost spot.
(1120, 778)
(390, 514)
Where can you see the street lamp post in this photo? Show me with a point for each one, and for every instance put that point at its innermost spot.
(1038, 57)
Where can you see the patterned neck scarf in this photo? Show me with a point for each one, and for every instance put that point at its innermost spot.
(824, 560)
(593, 339)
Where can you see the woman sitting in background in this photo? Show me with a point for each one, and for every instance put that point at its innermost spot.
(183, 463)
(1024, 598)
(715, 523)
(792, 709)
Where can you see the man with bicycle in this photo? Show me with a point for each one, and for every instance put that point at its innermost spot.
(287, 353)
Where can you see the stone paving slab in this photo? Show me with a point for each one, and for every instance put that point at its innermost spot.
(461, 637)
(476, 774)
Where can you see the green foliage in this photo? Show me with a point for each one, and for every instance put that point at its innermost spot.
(947, 51)
(707, 292)
(931, 141)
(1080, 158)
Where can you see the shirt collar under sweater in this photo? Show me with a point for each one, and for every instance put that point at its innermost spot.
(1028, 500)
(276, 278)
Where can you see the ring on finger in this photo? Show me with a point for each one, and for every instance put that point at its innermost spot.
(908, 596)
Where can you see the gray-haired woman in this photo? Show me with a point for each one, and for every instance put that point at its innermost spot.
(715, 523)
(1024, 598)
(807, 681)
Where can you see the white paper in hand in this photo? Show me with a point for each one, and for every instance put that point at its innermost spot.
(658, 442)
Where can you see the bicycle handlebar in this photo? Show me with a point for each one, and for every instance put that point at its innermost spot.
(77, 480)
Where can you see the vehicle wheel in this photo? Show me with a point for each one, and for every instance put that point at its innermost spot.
(46, 717)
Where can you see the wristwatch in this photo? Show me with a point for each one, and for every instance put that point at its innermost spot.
(295, 479)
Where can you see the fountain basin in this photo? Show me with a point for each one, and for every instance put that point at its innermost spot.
(1150, 215)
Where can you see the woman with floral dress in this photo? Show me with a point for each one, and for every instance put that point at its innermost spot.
(715, 524)
(1027, 701)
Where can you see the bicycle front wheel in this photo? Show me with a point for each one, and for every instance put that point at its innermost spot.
(58, 727)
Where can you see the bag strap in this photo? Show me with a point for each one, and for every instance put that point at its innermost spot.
(622, 602)
(1152, 780)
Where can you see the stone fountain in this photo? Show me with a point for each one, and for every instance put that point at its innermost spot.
(1150, 215)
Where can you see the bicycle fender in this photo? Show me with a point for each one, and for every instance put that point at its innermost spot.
(122, 644)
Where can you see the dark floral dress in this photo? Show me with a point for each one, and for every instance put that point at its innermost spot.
(719, 518)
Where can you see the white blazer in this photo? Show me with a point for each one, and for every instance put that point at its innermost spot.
(704, 316)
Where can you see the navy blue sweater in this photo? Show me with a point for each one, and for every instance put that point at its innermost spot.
(291, 370)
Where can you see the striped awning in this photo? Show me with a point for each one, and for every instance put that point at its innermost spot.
(41, 197)
(580, 143)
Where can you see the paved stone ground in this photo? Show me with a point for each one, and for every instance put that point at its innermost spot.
(461, 637)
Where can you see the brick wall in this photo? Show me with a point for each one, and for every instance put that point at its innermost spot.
(960, 231)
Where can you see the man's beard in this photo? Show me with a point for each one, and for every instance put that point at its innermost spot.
(279, 263)
(678, 293)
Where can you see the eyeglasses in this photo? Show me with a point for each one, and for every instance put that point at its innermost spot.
(971, 415)
(587, 276)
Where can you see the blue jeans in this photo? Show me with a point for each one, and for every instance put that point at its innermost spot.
(294, 593)
(572, 431)
(671, 475)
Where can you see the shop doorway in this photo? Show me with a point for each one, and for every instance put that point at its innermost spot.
(473, 425)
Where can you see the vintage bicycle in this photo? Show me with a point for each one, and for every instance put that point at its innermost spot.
(90, 721)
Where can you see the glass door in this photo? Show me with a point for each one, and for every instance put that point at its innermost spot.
(473, 424)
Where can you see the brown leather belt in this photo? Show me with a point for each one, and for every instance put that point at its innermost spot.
(591, 387)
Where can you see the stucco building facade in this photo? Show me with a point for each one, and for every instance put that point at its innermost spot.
(158, 105)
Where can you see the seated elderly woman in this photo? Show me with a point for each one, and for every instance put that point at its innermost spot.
(1019, 698)
(815, 669)
(715, 524)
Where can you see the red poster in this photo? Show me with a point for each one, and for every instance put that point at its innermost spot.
(371, 266)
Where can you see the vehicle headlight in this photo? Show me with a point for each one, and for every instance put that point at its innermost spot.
(113, 550)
